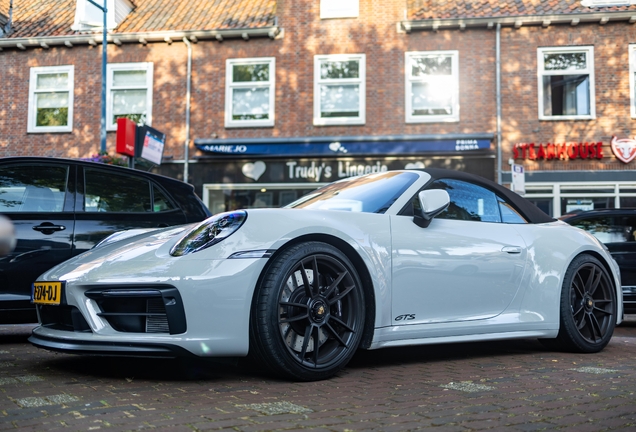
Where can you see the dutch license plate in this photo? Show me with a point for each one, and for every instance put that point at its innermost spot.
(48, 293)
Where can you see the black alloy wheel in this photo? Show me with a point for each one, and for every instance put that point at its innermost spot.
(309, 313)
(588, 306)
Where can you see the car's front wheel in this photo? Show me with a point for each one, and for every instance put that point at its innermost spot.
(588, 307)
(308, 313)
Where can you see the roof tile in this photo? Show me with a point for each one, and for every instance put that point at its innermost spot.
(46, 18)
(451, 9)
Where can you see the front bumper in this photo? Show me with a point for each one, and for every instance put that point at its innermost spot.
(204, 312)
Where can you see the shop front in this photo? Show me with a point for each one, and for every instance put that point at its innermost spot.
(253, 173)
(593, 184)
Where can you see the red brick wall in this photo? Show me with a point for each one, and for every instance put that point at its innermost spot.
(520, 92)
(375, 33)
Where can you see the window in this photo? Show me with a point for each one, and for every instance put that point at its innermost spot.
(566, 83)
(33, 188)
(339, 89)
(632, 79)
(432, 86)
(468, 202)
(558, 199)
(129, 93)
(249, 94)
(108, 192)
(89, 17)
(609, 229)
(339, 8)
(51, 99)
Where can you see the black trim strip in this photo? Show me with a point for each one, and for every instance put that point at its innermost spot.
(118, 349)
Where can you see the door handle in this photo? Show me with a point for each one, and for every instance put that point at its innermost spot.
(511, 249)
(48, 228)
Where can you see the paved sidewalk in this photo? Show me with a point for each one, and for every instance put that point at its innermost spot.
(511, 385)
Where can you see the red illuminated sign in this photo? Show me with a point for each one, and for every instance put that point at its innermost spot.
(624, 149)
(560, 151)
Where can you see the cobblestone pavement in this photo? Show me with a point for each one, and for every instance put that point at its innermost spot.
(511, 385)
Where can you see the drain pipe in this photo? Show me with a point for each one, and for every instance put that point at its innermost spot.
(498, 91)
(186, 147)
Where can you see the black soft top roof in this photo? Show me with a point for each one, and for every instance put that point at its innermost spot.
(528, 210)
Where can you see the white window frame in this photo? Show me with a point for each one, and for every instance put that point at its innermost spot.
(339, 9)
(589, 70)
(360, 81)
(632, 79)
(558, 190)
(32, 114)
(230, 86)
(410, 80)
(110, 73)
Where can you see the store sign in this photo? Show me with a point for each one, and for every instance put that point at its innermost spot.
(624, 149)
(560, 151)
(275, 148)
(324, 171)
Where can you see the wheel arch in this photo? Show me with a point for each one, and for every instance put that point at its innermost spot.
(360, 267)
(608, 268)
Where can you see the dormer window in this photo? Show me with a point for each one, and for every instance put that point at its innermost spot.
(339, 8)
(89, 17)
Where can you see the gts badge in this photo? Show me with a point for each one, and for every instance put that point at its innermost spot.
(405, 317)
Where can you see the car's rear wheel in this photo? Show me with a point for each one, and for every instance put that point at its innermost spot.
(308, 313)
(588, 307)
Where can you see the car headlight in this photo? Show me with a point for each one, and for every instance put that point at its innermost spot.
(209, 232)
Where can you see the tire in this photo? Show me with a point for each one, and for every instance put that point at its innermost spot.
(588, 308)
(303, 330)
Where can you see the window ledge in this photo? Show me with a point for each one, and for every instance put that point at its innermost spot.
(568, 118)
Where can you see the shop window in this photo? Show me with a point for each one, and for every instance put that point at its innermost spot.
(51, 99)
(339, 8)
(249, 95)
(432, 86)
(339, 89)
(566, 83)
(226, 197)
(129, 90)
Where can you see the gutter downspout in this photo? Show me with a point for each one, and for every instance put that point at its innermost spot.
(498, 97)
(8, 29)
(186, 146)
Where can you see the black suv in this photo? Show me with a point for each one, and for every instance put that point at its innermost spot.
(617, 229)
(63, 207)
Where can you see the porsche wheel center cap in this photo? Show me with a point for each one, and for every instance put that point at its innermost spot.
(318, 310)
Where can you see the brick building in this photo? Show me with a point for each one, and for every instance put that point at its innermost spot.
(286, 95)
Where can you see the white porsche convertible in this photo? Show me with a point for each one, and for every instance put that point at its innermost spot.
(382, 260)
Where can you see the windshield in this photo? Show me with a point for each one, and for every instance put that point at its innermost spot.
(372, 193)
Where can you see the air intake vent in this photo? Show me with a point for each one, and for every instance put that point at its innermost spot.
(140, 308)
(156, 321)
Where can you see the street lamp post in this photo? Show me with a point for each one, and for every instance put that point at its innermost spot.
(104, 62)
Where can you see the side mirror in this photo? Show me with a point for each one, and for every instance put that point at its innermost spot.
(428, 204)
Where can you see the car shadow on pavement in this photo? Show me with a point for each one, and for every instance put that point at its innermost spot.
(188, 369)
(443, 352)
